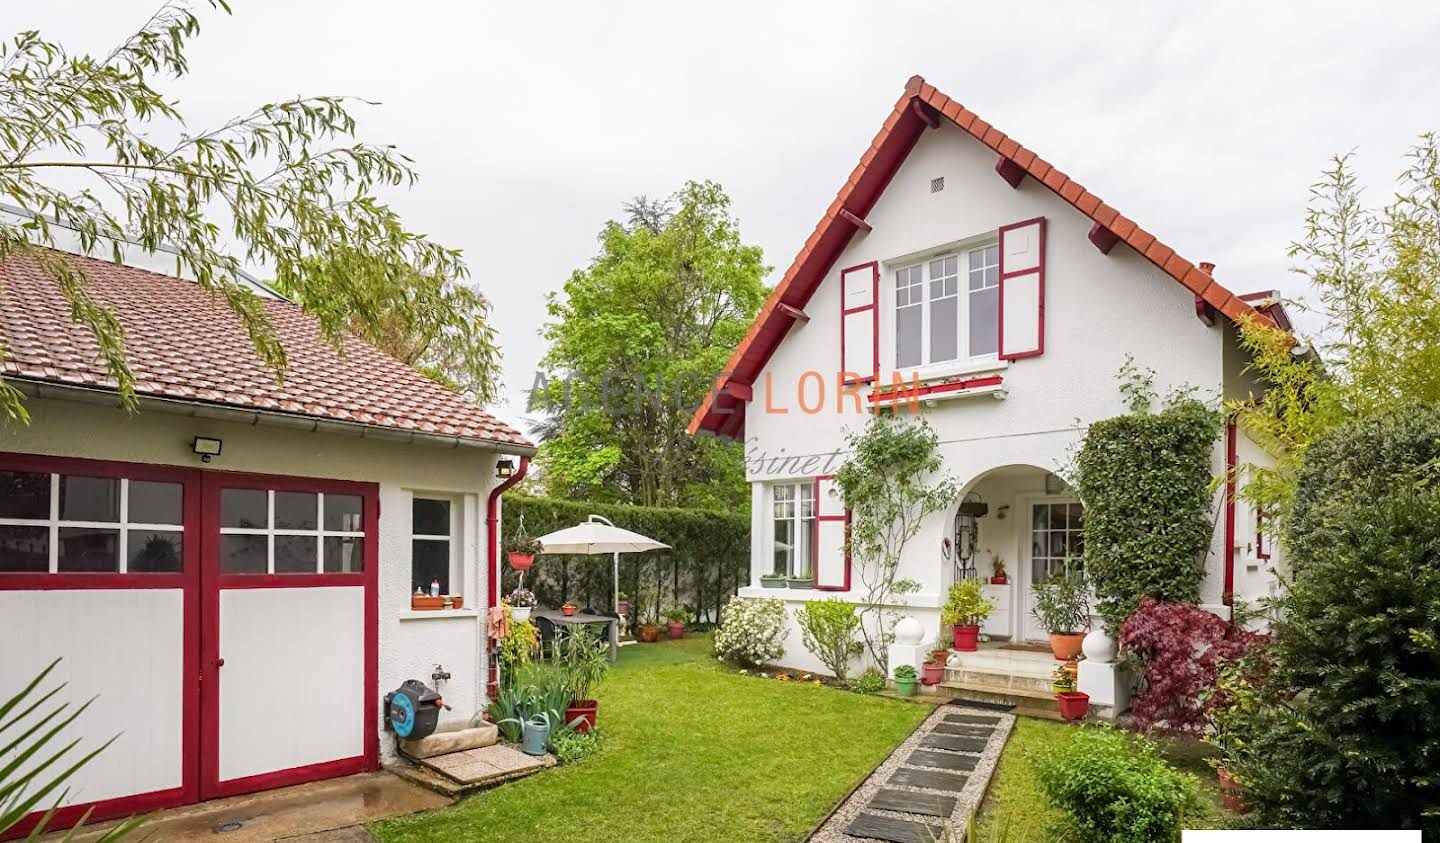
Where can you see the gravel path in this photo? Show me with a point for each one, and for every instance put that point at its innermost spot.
(966, 801)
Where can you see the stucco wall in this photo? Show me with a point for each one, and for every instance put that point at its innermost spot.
(1099, 308)
(409, 645)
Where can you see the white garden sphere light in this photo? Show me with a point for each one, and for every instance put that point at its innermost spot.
(1099, 647)
(908, 632)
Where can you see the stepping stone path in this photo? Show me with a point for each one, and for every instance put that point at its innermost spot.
(930, 785)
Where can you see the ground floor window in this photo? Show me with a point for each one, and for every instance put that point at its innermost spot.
(793, 519)
(1057, 544)
(286, 531)
(432, 542)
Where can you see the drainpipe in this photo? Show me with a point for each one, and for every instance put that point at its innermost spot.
(1228, 595)
(492, 577)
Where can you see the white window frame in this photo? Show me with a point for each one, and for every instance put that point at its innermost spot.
(124, 525)
(455, 538)
(962, 360)
(270, 531)
(801, 524)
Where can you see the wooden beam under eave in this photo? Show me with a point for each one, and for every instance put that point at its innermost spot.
(1204, 312)
(1103, 238)
(793, 312)
(742, 391)
(1011, 172)
(854, 220)
(925, 113)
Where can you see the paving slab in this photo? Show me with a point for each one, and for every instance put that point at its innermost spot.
(954, 743)
(973, 719)
(963, 729)
(878, 827)
(930, 779)
(488, 764)
(941, 760)
(913, 802)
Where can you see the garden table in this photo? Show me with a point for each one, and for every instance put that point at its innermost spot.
(582, 619)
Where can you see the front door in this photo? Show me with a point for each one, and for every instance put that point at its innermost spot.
(289, 626)
(1055, 544)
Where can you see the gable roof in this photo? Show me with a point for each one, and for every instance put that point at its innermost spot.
(920, 106)
(184, 345)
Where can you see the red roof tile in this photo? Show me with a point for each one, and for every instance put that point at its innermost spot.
(183, 344)
(724, 414)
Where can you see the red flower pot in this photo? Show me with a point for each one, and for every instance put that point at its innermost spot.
(648, 633)
(1074, 705)
(677, 630)
(932, 673)
(522, 561)
(584, 710)
(1232, 795)
(967, 637)
(568, 610)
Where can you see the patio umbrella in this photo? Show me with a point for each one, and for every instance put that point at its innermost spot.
(598, 535)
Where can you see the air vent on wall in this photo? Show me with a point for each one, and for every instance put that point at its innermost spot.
(937, 184)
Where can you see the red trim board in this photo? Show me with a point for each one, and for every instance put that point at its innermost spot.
(815, 538)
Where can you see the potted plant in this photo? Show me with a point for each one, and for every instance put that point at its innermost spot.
(1062, 679)
(906, 680)
(1074, 705)
(586, 659)
(521, 602)
(622, 605)
(569, 609)
(421, 602)
(802, 581)
(772, 580)
(966, 607)
(647, 611)
(933, 670)
(522, 550)
(676, 618)
(1062, 606)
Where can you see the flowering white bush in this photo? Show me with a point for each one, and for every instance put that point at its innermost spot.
(752, 631)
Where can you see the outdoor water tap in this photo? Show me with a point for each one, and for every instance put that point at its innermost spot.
(440, 674)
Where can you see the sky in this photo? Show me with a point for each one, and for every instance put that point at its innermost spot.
(530, 123)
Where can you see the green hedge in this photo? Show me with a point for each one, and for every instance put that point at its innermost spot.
(709, 557)
(1145, 481)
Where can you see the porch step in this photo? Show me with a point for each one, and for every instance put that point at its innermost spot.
(1021, 683)
(459, 773)
(1027, 703)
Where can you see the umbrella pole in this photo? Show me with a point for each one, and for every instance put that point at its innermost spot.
(615, 606)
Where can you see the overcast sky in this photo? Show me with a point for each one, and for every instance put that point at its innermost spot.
(531, 122)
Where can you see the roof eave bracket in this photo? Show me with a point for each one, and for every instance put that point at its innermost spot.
(1011, 172)
(927, 114)
(1103, 238)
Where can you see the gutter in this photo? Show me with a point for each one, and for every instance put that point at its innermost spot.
(264, 418)
(492, 576)
(1227, 595)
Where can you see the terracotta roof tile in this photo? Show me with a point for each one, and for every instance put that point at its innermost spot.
(182, 344)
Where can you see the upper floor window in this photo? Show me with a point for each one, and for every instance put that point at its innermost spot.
(947, 308)
(794, 524)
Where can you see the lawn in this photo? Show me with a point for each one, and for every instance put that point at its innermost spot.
(1016, 809)
(693, 751)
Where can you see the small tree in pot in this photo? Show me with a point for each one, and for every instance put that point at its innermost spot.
(585, 658)
(1062, 606)
(675, 619)
(966, 607)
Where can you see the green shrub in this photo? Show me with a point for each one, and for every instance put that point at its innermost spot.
(830, 630)
(752, 631)
(1114, 788)
(570, 746)
(1145, 480)
(871, 681)
(965, 604)
(1345, 735)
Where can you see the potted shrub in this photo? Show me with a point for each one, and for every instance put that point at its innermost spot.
(622, 605)
(1062, 606)
(1062, 679)
(906, 680)
(585, 658)
(569, 609)
(772, 580)
(966, 607)
(522, 550)
(933, 670)
(522, 601)
(676, 618)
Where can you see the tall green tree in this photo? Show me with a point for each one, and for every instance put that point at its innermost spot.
(637, 338)
(287, 186)
(1375, 278)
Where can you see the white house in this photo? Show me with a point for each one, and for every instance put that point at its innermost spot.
(956, 256)
(229, 570)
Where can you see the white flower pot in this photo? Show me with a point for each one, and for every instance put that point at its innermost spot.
(520, 614)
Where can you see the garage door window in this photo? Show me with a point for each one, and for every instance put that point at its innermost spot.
(78, 523)
(269, 531)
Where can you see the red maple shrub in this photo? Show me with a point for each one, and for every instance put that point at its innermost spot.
(1182, 648)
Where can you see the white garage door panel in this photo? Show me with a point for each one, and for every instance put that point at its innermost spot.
(290, 690)
(123, 646)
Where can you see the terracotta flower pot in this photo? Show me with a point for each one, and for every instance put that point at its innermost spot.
(648, 633)
(622, 608)
(1066, 647)
(585, 711)
(677, 630)
(967, 637)
(568, 610)
(522, 561)
(933, 672)
(457, 602)
(426, 603)
(1074, 705)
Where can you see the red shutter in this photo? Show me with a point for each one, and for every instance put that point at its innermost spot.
(1022, 289)
(860, 320)
(832, 533)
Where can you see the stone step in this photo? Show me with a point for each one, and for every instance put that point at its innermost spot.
(1000, 679)
(1026, 703)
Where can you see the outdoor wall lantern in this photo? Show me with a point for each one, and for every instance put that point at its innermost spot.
(504, 469)
(206, 448)
(967, 529)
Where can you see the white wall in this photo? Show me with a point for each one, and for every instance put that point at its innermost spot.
(1098, 309)
(408, 649)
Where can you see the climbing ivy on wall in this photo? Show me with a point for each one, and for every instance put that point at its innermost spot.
(708, 560)
(1146, 481)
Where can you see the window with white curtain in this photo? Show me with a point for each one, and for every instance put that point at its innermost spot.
(793, 518)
